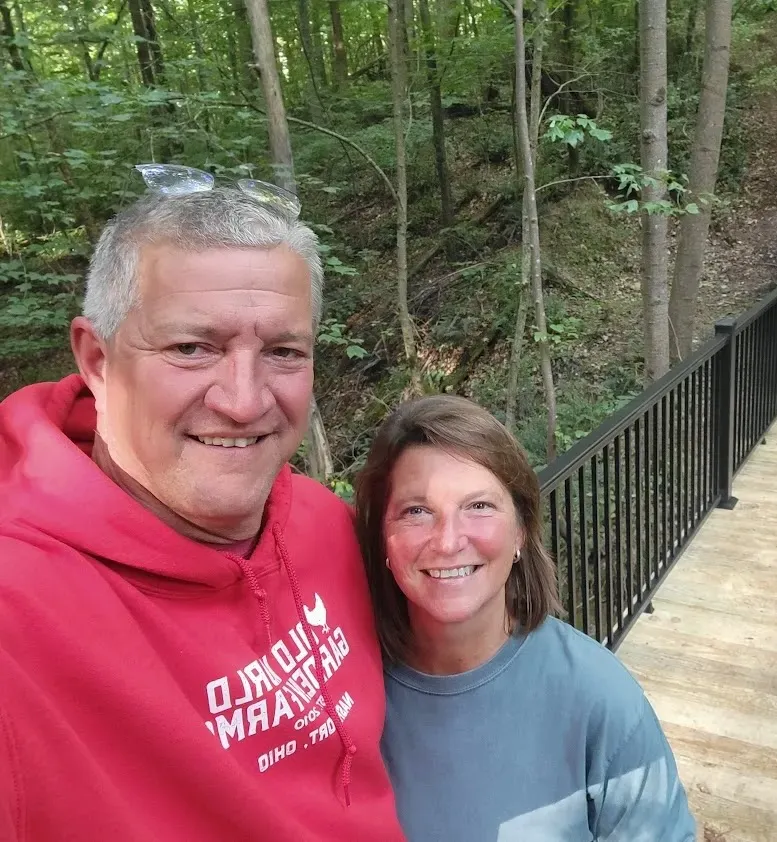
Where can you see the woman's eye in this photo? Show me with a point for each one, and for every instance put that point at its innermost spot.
(413, 510)
(481, 506)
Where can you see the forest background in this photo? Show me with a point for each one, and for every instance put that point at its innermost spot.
(497, 218)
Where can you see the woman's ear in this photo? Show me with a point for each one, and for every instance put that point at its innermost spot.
(520, 540)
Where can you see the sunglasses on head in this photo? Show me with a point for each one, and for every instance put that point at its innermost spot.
(174, 180)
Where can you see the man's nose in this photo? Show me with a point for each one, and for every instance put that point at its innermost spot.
(241, 391)
(449, 536)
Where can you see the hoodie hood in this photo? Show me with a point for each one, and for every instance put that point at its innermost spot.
(48, 481)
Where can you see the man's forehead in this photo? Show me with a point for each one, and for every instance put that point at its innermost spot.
(171, 265)
(250, 277)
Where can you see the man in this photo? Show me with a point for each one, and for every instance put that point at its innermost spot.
(186, 646)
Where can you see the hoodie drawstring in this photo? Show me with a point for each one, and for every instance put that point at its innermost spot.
(257, 590)
(349, 748)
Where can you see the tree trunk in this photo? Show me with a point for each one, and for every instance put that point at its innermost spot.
(471, 19)
(396, 18)
(320, 462)
(78, 32)
(530, 200)
(515, 358)
(156, 50)
(21, 29)
(319, 455)
(277, 125)
(143, 36)
(8, 35)
(306, 38)
(703, 174)
(339, 55)
(248, 72)
(438, 125)
(690, 26)
(570, 62)
(655, 260)
(199, 51)
(318, 46)
(535, 99)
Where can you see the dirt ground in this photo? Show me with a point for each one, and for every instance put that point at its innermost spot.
(741, 258)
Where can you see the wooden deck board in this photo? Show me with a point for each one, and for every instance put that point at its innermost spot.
(707, 658)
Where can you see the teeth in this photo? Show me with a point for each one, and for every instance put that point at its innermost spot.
(452, 573)
(221, 442)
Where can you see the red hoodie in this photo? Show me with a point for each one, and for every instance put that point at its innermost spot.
(154, 689)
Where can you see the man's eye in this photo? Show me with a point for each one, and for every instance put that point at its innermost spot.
(287, 353)
(187, 349)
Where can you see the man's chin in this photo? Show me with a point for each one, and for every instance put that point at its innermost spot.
(237, 523)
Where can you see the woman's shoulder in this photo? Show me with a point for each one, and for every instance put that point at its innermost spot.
(576, 664)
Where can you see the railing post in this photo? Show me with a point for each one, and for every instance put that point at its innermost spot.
(724, 410)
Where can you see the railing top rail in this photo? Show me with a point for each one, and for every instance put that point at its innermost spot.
(580, 452)
(755, 311)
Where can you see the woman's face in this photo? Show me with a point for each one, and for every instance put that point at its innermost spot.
(451, 534)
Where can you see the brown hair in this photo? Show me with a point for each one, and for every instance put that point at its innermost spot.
(462, 427)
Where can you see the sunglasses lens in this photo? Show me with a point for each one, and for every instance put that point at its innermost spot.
(269, 194)
(172, 180)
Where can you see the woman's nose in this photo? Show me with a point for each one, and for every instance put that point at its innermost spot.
(449, 536)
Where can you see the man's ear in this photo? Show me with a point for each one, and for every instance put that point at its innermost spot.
(90, 352)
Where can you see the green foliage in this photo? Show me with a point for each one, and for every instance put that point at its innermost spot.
(334, 333)
(573, 131)
(342, 488)
(563, 330)
(632, 180)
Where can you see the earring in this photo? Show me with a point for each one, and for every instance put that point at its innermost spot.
(517, 556)
(388, 563)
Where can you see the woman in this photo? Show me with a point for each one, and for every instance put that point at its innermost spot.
(502, 722)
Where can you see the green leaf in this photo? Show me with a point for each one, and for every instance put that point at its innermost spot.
(600, 134)
(110, 98)
(692, 208)
(355, 352)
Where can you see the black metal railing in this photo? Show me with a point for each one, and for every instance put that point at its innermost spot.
(625, 501)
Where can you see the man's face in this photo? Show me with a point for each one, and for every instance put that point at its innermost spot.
(207, 384)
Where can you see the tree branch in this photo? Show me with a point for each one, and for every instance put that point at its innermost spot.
(323, 130)
(27, 126)
(558, 90)
(569, 180)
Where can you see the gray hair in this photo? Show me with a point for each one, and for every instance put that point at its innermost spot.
(219, 218)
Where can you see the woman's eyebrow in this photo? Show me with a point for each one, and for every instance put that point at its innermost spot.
(486, 492)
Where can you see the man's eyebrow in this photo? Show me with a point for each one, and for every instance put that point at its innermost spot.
(304, 336)
(211, 332)
(189, 329)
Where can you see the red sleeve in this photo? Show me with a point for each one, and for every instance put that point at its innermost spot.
(10, 783)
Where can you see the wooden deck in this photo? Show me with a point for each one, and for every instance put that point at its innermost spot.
(707, 659)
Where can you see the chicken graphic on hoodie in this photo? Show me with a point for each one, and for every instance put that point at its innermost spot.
(317, 616)
(282, 687)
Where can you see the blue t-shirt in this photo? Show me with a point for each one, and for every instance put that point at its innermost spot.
(551, 740)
